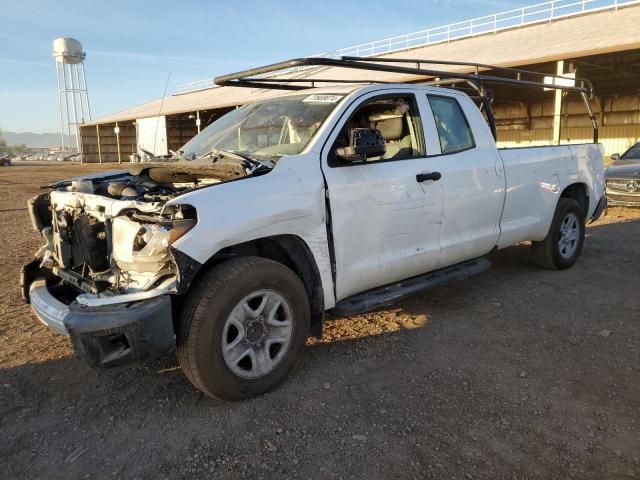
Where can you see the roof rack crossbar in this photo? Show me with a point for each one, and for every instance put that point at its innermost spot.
(585, 83)
(264, 77)
(291, 83)
(242, 78)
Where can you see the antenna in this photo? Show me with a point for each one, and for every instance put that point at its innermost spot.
(155, 135)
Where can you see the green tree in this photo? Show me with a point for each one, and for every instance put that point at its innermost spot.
(22, 148)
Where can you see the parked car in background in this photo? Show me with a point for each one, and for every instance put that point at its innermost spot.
(5, 160)
(68, 157)
(623, 178)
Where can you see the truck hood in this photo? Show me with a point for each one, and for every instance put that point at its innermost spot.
(179, 177)
(623, 169)
(112, 174)
(186, 172)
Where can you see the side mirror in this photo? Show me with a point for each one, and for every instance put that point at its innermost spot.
(364, 143)
(615, 157)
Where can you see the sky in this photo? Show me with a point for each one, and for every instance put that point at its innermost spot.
(134, 46)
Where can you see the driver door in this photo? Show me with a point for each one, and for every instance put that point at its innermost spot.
(385, 212)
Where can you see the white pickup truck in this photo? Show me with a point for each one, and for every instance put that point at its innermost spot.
(338, 199)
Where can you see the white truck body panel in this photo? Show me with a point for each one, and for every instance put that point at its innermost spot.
(474, 185)
(372, 224)
(290, 200)
(536, 177)
(384, 225)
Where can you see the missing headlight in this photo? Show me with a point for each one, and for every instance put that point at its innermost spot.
(143, 246)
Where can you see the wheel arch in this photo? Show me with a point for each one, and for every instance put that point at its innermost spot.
(291, 251)
(580, 193)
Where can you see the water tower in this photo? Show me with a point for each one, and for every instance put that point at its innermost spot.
(73, 99)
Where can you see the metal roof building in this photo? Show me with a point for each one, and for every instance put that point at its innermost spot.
(597, 39)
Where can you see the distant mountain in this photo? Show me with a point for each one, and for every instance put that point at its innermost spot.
(36, 140)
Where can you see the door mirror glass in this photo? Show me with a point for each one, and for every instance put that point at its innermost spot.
(615, 157)
(363, 143)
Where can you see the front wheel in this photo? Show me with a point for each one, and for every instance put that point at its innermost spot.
(243, 328)
(563, 244)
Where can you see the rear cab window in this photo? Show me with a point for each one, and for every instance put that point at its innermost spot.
(454, 132)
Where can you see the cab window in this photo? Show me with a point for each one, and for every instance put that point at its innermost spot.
(397, 119)
(453, 129)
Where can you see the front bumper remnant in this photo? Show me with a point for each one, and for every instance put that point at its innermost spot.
(108, 335)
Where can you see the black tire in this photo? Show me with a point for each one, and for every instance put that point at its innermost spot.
(548, 252)
(203, 317)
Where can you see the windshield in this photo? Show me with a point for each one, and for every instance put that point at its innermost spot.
(272, 128)
(633, 153)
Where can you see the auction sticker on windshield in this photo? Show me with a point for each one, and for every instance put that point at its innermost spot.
(317, 98)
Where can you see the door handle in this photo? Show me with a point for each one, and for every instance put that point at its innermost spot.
(423, 177)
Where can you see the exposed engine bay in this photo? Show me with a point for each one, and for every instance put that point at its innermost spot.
(109, 236)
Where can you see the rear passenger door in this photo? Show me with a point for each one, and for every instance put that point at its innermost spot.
(472, 178)
(385, 217)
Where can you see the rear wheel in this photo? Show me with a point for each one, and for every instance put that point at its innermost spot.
(243, 328)
(563, 244)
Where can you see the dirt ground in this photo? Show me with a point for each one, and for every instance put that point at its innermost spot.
(516, 373)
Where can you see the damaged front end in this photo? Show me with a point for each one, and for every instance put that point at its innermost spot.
(108, 269)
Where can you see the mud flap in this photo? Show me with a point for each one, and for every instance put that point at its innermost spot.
(123, 333)
(602, 206)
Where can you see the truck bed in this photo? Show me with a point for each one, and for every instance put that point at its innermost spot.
(536, 176)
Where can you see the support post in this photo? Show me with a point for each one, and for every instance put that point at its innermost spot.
(557, 106)
(74, 109)
(80, 92)
(66, 102)
(81, 150)
(60, 106)
(117, 131)
(600, 101)
(599, 123)
(86, 90)
(99, 146)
